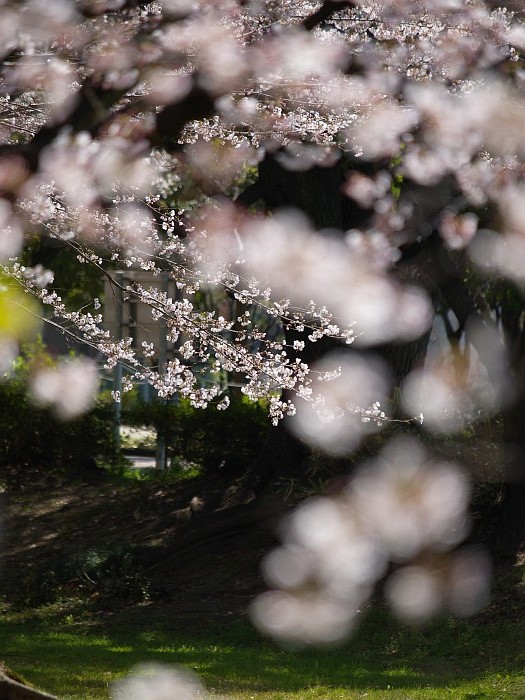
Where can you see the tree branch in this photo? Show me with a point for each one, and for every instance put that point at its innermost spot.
(326, 10)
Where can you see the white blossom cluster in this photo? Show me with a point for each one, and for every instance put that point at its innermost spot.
(401, 509)
(272, 81)
(158, 682)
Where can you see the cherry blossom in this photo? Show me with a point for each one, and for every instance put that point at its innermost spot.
(70, 387)
(157, 682)
(402, 508)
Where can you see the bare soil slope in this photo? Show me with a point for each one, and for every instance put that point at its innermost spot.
(132, 544)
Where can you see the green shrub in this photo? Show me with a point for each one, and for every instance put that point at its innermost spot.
(31, 436)
(216, 441)
(222, 440)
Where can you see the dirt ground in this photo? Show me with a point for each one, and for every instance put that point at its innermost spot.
(127, 545)
(131, 545)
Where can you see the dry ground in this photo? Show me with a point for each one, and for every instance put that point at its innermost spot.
(187, 550)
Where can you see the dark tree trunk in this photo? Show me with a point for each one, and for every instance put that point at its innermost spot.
(316, 192)
(510, 533)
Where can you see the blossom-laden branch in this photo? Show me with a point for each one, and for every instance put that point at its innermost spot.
(214, 85)
(108, 95)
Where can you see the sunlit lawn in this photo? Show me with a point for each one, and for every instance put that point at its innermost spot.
(450, 659)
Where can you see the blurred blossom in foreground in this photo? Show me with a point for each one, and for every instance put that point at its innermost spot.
(458, 231)
(11, 236)
(70, 387)
(348, 275)
(55, 77)
(500, 252)
(380, 134)
(83, 169)
(156, 682)
(8, 353)
(460, 380)
(214, 166)
(410, 503)
(134, 231)
(402, 508)
(297, 55)
(217, 241)
(458, 583)
(345, 405)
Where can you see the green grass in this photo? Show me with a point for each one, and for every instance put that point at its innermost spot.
(449, 659)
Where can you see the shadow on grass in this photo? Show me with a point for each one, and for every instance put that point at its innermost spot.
(80, 662)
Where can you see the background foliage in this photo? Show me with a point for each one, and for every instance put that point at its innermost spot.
(31, 436)
(215, 441)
